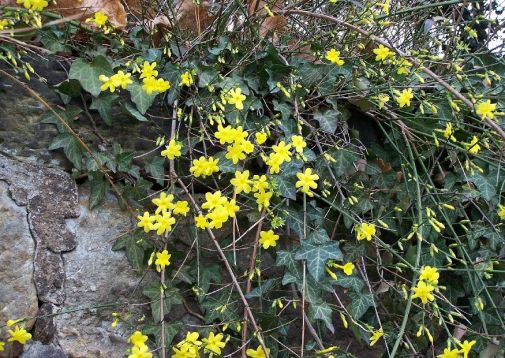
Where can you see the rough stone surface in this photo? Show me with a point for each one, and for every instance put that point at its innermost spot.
(18, 296)
(36, 349)
(50, 196)
(96, 276)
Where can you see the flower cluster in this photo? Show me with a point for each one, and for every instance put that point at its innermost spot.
(99, 19)
(364, 231)
(191, 346)
(139, 347)
(428, 281)
(17, 334)
(35, 5)
(258, 185)
(307, 181)
(150, 82)
(347, 268)
(234, 97)
(219, 210)
(268, 239)
(203, 167)
(172, 150)
(163, 220)
(238, 146)
(333, 56)
(117, 80)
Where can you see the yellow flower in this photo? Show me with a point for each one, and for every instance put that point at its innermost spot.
(151, 84)
(405, 97)
(241, 182)
(19, 335)
(334, 57)
(235, 153)
(181, 208)
(430, 275)
(148, 70)
(347, 268)
(404, 67)
(466, 347)
(99, 19)
(235, 97)
(376, 335)
(185, 350)
(2, 344)
(4, 23)
(473, 147)
(201, 222)
(140, 352)
(260, 183)
(138, 339)
(364, 231)
(298, 143)
(260, 137)
(423, 291)
(145, 221)
(486, 109)
(213, 200)
(257, 353)
(163, 223)
(226, 134)
(162, 260)
(163, 203)
(448, 353)
(263, 198)
(173, 150)
(268, 239)
(186, 79)
(501, 211)
(383, 99)
(307, 181)
(35, 5)
(282, 150)
(214, 343)
(191, 338)
(382, 53)
(218, 217)
(204, 167)
(449, 132)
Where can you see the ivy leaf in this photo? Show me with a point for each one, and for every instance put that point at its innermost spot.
(87, 73)
(156, 167)
(328, 120)
(487, 190)
(211, 273)
(265, 287)
(128, 109)
(318, 236)
(360, 303)
(103, 104)
(171, 330)
(317, 255)
(171, 297)
(287, 259)
(135, 255)
(286, 187)
(140, 97)
(350, 282)
(98, 188)
(70, 146)
(225, 165)
(344, 161)
(322, 311)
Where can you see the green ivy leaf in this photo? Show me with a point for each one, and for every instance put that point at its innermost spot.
(128, 109)
(103, 104)
(350, 282)
(344, 161)
(360, 303)
(140, 97)
(156, 167)
(317, 255)
(98, 187)
(328, 120)
(171, 297)
(487, 190)
(318, 236)
(322, 311)
(286, 186)
(135, 255)
(287, 259)
(70, 146)
(87, 73)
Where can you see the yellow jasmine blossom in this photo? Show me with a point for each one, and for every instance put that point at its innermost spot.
(448, 132)
(99, 19)
(260, 183)
(347, 268)
(282, 150)
(298, 143)
(204, 167)
(138, 339)
(268, 239)
(213, 200)
(376, 335)
(383, 99)
(334, 57)
(214, 343)
(19, 335)
(263, 198)
(163, 223)
(486, 109)
(2, 345)
(186, 79)
(448, 353)
(404, 67)
(145, 221)
(12, 322)
(151, 84)
(191, 338)
(172, 150)
(423, 292)
(148, 70)
(382, 53)
(260, 137)
(35, 5)
(307, 181)
(164, 202)
(473, 147)
(185, 350)
(235, 153)
(466, 347)
(181, 208)
(120, 79)
(241, 182)
(405, 97)
(4, 23)
(257, 353)
(162, 260)
(430, 275)
(501, 211)
(201, 222)
(235, 97)
(140, 352)
(364, 231)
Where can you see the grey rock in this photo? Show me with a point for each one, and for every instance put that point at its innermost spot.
(36, 349)
(18, 296)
